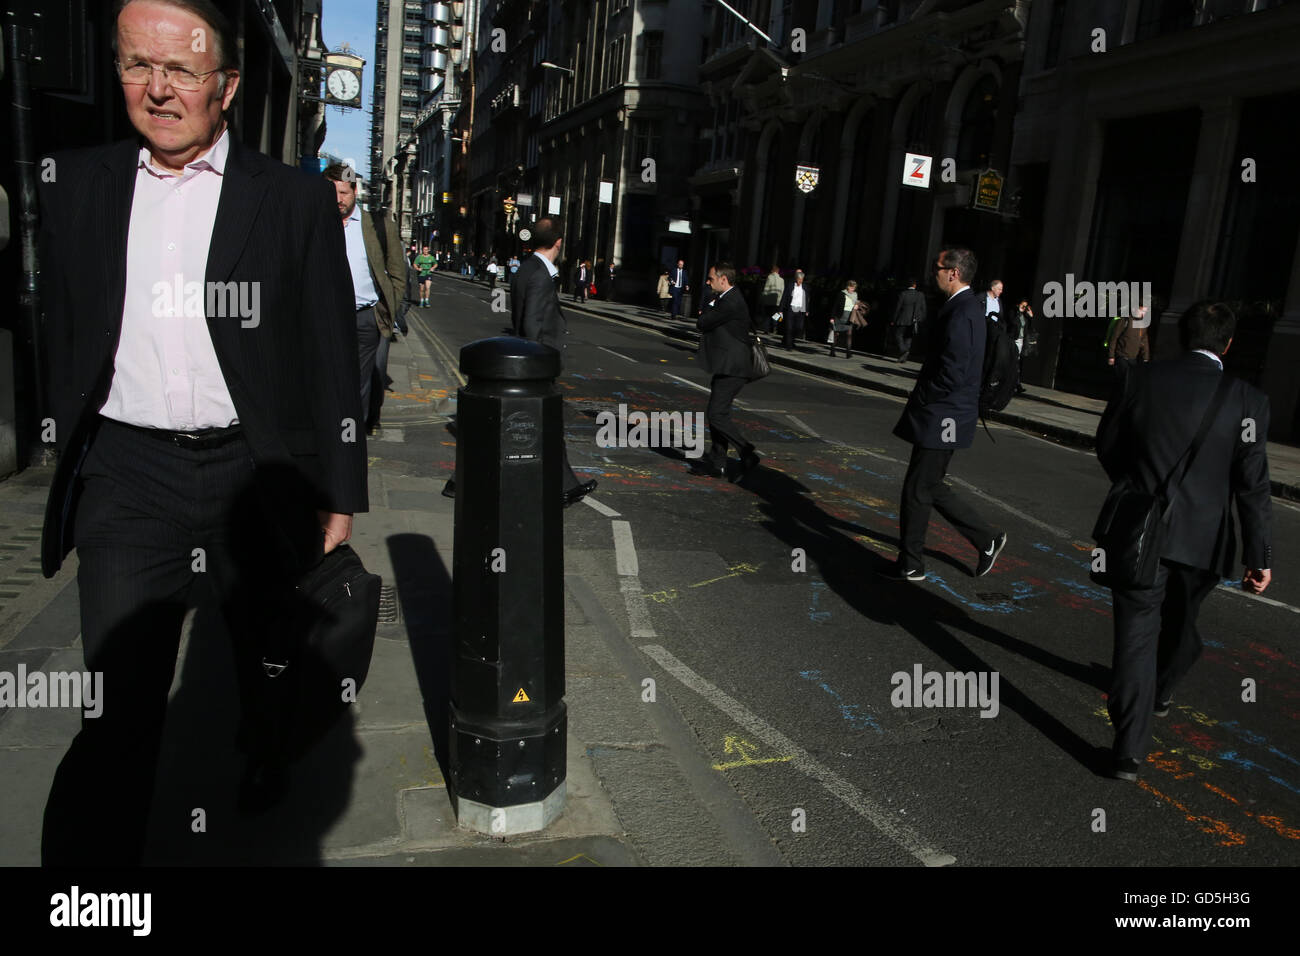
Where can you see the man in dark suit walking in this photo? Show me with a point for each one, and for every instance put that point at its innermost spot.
(679, 281)
(725, 327)
(535, 314)
(909, 313)
(940, 417)
(203, 381)
(1147, 428)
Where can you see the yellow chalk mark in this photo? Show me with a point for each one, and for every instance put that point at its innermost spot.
(745, 750)
(426, 378)
(736, 571)
(663, 597)
(580, 856)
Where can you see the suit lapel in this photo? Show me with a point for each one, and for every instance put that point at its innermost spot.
(121, 162)
(242, 190)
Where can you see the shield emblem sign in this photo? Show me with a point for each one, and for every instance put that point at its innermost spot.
(805, 177)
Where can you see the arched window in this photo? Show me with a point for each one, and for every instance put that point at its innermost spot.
(978, 119)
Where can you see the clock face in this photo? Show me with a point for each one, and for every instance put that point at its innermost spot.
(343, 85)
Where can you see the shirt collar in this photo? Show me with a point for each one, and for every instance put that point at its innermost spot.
(958, 292)
(356, 214)
(550, 266)
(1217, 361)
(214, 159)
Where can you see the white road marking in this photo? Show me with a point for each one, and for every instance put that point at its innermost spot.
(855, 799)
(619, 354)
(606, 510)
(803, 426)
(686, 381)
(638, 613)
(625, 550)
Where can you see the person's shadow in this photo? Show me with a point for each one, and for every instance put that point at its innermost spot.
(227, 716)
(851, 571)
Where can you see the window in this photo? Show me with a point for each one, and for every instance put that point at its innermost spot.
(1164, 16)
(645, 143)
(652, 55)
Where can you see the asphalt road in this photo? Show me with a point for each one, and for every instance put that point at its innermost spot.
(786, 675)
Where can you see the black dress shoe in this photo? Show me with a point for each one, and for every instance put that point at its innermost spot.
(1162, 707)
(449, 489)
(1125, 768)
(704, 469)
(748, 462)
(574, 495)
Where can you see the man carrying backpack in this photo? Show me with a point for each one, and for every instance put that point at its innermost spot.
(940, 417)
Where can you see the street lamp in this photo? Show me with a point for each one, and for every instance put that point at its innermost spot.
(547, 65)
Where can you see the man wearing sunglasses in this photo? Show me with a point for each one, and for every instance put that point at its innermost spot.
(203, 381)
(940, 417)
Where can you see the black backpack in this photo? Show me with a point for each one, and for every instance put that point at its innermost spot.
(998, 382)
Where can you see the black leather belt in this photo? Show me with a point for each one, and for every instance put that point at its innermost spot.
(199, 440)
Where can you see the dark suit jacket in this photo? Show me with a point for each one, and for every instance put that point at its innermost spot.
(784, 308)
(387, 266)
(725, 325)
(293, 377)
(910, 309)
(948, 385)
(672, 275)
(1149, 424)
(535, 309)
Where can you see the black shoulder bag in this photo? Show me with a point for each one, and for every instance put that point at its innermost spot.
(1133, 524)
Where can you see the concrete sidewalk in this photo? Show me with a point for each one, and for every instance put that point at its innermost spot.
(372, 792)
(1063, 416)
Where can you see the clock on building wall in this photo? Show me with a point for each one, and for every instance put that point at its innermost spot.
(343, 78)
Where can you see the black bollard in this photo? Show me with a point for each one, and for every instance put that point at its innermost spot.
(508, 723)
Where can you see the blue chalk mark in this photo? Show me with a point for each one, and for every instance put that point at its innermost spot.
(847, 711)
(1258, 739)
(974, 605)
(814, 615)
(1089, 591)
(1230, 756)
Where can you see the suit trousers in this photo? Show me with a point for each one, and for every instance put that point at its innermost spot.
(146, 507)
(924, 488)
(722, 430)
(677, 301)
(903, 335)
(367, 347)
(792, 328)
(1156, 644)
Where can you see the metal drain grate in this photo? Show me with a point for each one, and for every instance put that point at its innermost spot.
(390, 612)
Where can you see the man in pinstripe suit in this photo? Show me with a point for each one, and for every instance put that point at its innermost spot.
(204, 387)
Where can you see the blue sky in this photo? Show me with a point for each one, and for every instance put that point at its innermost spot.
(347, 132)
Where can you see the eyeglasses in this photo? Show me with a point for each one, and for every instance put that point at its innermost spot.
(139, 74)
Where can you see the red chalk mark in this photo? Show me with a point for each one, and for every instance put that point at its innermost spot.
(1194, 737)
(1223, 793)
(1275, 823)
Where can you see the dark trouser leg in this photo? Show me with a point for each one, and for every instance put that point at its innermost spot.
(900, 339)
(134, 550)
(677, 302)
(924, 488)
(722, 430)
(1133, 665)
(367, 347)
(1180, 641)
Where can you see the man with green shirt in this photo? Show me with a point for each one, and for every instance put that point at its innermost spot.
(423, 269)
